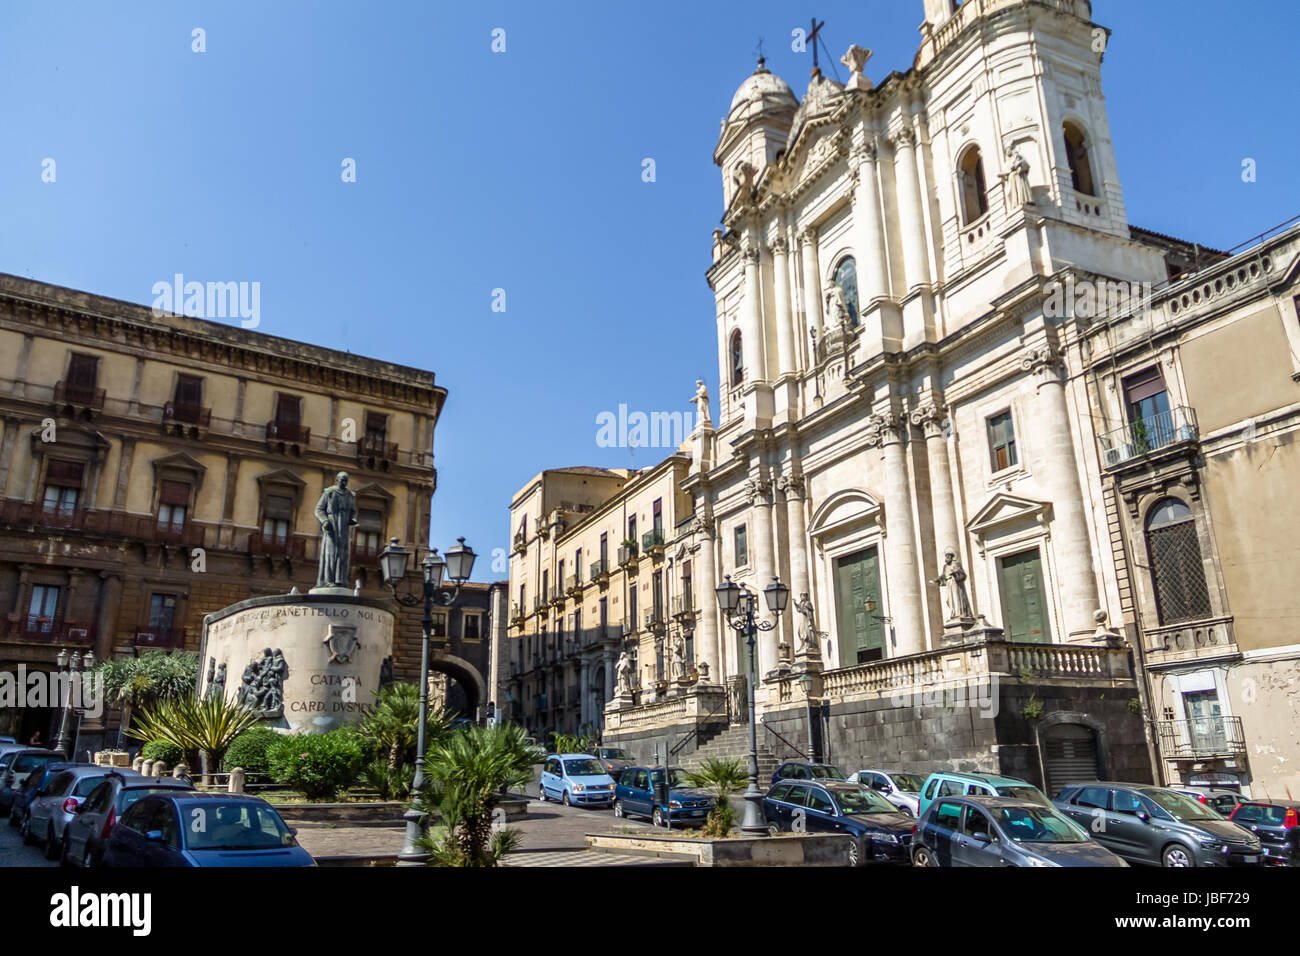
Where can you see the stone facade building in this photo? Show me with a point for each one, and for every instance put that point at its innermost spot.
(156, 468)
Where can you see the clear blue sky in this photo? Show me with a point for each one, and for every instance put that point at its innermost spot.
(521, 171)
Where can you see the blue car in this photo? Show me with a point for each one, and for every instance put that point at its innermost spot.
(188, 828)
(881, 833)
(635, 795)
(576, 778)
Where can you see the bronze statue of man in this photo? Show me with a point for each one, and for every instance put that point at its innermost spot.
(337, 513)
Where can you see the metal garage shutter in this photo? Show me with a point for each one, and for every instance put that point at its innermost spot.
(1069, 756)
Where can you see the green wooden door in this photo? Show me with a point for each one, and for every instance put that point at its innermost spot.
(862, 635)
(1024, 605)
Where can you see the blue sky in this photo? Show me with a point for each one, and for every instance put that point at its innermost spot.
(520, 171)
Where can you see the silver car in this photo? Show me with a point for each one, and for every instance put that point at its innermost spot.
(58, 802)
(903, 790)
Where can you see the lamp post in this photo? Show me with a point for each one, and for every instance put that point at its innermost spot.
(739, 603)
(806, 682)
(72, 663)
(457, 567)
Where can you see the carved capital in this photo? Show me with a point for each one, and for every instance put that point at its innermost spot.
(751, 255)
(885, 428)
(703, 524)
(1044, 362)
(905, 138)
(808, 236)
(757, 491)
(791, 486)
(930, 418)
(863, 153)
(779, 246)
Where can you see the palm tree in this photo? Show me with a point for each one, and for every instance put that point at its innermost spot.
(720, 778)
(391, 725)
(147, 679)
(207, 725)
(468, 775)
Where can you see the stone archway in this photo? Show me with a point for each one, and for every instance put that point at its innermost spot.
(465, 674)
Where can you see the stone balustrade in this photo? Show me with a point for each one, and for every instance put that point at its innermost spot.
(699, 703)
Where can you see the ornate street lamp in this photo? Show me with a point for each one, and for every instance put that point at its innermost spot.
(738, 603)
(72, 664)
(393, 562)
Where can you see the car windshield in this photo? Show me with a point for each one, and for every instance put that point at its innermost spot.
(128, 797)
(233, 826)
(676, 777)
(85, 785)
(863, 801)
(1037, 825)
(907, 782)
(1024, 793)
(31, 761)
(613, 753)
(583, 768)
(1181, 807)
(823, 772)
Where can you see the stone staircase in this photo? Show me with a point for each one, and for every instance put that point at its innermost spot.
(732, 743)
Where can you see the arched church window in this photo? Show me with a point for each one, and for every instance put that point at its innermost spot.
(1177, 569)
(974, 196)
(846, 279)
(1076, 151)
(737, 359)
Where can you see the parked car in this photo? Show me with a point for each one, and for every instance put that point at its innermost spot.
(57, 803)
(7, 740)
(94, 821)
(1002, 831)
(634, 795)
(14, 768)
(903, 790)
(30, 787)
(613, 759)
(1220, 800)
(948, 784)
(203, 829)
(882, 834)
(1148, 824)
(800, 770)
(537, 750)
(1276, 823)
(576, 778)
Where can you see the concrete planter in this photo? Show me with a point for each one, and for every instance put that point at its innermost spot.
(822, 849)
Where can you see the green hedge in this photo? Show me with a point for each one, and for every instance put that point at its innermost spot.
(163, 750)
(251, 750)
(317, 765)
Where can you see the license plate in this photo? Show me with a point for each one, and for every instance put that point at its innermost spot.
(1250, 859)
(697, 813)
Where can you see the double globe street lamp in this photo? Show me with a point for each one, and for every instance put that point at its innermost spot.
(456, 567)
(739, 603)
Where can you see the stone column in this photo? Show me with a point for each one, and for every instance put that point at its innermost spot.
(1072, 547)
(707, 644)
(760, 499)
(784, 319)
(609, 675)
(916, 262)
(110, 602)
(931, 418)
(584, 681)
(11, 426)
(812, 282)
(793, 488)
(902, 570)
(751, 317)
(869, 228)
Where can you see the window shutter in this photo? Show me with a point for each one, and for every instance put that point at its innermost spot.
(278, 506)
(173, 492)
(1144, 385)
(65, 474)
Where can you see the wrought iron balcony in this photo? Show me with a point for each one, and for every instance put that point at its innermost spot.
(366, 553)
(573, 585)
(32, 514)
(684, 607)
(185, 413)
(1201, 737)
(79, 396)
(627, 554)
(599, 571)
(1146, 435)
(520, 541)
(44, 631)
(292, 546)
(654, 619)
(538, 604)
(375, 448)
(288, 434)
(653, 541)
(557, 595)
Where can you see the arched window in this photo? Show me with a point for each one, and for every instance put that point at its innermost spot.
(737, 359)
(1176, 566)
(974, 197)
(846, 278)
(1076, 151)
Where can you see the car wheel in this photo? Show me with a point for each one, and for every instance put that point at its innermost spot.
(1175, 854)
(541, 792)
(657, 817)
(853, 853)
(773, 829)
(618, 809)
(922, 857)
(565, 799)
(51, 844)
(25, 831)
(906, 811)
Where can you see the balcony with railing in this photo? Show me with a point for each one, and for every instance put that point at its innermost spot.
(1201, 738)
(654, 619)
(538, 604)
(557, 595)
(375, 448)
(1147, 435)
(291, 546)
(68, 394)
(627, 555)
(599, 571)
(684, 608)
(520, 541)
(573, 585)
(366, 553)
(287, 434)
(39, 630)
(652, 542)
(187, 413)
(160, 637)
(17, 513)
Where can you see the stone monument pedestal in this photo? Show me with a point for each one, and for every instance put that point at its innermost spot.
(309, 662)
(975, 630)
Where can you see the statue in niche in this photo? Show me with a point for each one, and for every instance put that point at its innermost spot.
(1016, 180)
(807, 629)
(953, 580)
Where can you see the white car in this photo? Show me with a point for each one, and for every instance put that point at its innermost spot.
(903, 790)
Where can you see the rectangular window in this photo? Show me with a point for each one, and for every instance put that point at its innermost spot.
(288, 410)
(577, 564)
(376, 426)
(1002, 441)
(742, 547)
(439, 624)
(471, 627)
(370, 531)
(173, 505)
(604, 551)
(63, 482)
(631, 528)
(189, 391)
(277, 512)
(1147, 404)
(162, 611)
(632, 622)
(658, 509)
(577, 625)
(43, 608)
(83, 370)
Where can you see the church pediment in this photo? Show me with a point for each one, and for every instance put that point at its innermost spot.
(816, 144)
(844, 510)
(1003, 510)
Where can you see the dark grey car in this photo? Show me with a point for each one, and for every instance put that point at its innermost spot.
(85, 835)
(1002, 831)
(1155, 825)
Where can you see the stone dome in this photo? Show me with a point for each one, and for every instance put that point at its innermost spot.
(762, 85)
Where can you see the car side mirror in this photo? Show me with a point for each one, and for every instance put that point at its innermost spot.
(154, 836)
(982, 835)
(1143, 816)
